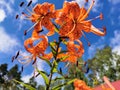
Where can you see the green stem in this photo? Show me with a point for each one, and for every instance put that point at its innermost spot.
(55, 58)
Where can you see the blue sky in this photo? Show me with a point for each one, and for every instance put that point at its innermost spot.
(12, 38)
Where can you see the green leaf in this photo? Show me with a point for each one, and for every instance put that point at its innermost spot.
(64, 42)
(64, 51)
(46, 60)
(63, 58)
(52, 45)
(44, 75)
(26, 85)
(56, 28)
(54, 68)
(61, 85)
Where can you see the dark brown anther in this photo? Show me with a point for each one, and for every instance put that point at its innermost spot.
(29, 3)
(101, 16)
(86, 0)
(17, 54)
(25, 32)
(22, 68)
(85, 63)
(17, 16)
(77, 63)
(64, 37)
(34, 61)
(104, 28)
(87, 70)
(23, 13)
(66, 76)
(61, 70)
(13, 58)
(37, 74)
(40, 31)
(89, 44)
(21, 4)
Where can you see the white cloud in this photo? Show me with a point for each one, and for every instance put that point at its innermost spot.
(98, 45)
(2, 15)
(114, 12)
(7, 42)
(6, 5)
(97, 5)
(115, 42)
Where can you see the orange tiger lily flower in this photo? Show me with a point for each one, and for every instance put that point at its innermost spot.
(81, 85)
(72, 20)
(42, 15)
(38, 49)
(74, 51)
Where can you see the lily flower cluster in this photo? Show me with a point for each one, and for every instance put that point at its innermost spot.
(69, 23)
(72, 21)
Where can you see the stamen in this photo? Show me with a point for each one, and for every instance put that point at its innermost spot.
(26, 61)
(25, 14)
(85, 63)
(22, 69)
(86, 38)
(88, 11)
(29, 3)
(37, 75)
(67, 65)
(86, 0)
(40, 31)
(25, 32)
(60, 70)
(77, 63)
(97, 31)
(34, 61)
(17, 54)
(29, 11)
(87, 70)
(21, 4)
(17, 16)
(13, 58)
(101, 16)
